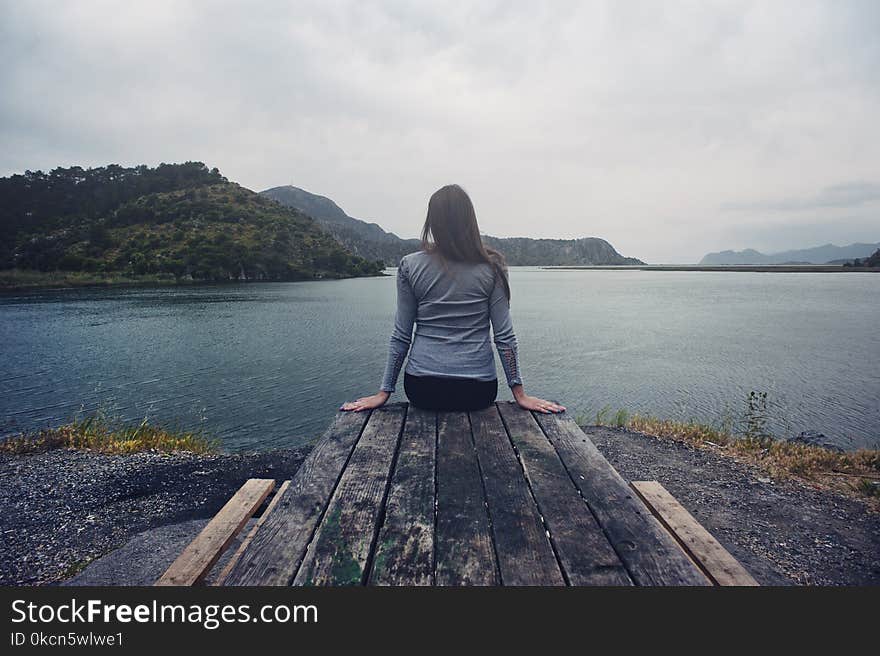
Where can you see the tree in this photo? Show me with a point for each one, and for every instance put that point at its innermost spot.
(99, 236)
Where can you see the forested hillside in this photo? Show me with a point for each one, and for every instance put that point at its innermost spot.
(177, 219)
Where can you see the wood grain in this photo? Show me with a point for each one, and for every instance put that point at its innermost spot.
(340, 551)
(525, 555)
(276, 550)
(465, 552)
(404, 553)
(250, 536)
(586, 556)
(202, 553)
(715, 561)
(649, 553)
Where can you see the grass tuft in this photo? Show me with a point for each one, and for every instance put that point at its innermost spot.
(21, 279)
(96, 433)
(855, 473)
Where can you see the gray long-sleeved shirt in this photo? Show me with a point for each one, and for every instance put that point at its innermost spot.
(451, 304)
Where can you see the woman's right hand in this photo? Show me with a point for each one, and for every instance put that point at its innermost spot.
(527, 402)
(367, 402)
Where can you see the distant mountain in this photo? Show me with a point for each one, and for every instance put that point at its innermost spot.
(587, 251)
(180, 220)
(370, 241)
(873, 261)
(818, 255)
(367, 240)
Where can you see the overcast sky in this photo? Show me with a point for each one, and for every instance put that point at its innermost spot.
(668, 128)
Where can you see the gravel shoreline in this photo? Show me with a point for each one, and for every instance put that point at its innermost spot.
(783, 531)
(66, 508)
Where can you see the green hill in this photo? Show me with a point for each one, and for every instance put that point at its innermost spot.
(181, 221)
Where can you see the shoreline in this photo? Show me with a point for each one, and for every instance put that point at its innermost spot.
(11, 281)
(53, 282)
(76, 516)
(732, 268)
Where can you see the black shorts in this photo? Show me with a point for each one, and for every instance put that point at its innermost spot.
(434, 393)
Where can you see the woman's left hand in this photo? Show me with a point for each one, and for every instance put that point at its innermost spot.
(367, 402)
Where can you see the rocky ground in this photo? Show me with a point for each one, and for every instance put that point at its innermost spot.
(65, 509)
(782, 531)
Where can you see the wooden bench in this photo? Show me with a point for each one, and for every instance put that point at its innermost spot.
(502, 496)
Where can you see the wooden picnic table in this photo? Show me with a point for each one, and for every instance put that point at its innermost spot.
(501, 496)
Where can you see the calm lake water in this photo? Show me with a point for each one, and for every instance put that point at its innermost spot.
(266, 365)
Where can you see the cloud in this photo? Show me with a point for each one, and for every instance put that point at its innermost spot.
(635, 121)
(852, 194)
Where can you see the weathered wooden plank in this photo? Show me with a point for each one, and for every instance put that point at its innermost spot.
(715, 561)
(465, 554)
(199, 557)
(586, 556)
(649, 553)
(250, 536)
(525, 555)
(340, 551)
(276, 550)
(404, 553)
